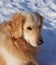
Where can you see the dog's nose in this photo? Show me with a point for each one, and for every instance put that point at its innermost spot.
(40, 42)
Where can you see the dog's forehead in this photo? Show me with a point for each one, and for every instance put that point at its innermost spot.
(32, 19)
(36, 18)
(29, 22)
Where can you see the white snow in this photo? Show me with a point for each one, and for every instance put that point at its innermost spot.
(47, 8)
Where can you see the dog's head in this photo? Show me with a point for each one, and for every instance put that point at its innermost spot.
(29, 26)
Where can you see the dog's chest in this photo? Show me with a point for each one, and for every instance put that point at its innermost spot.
(10, 60)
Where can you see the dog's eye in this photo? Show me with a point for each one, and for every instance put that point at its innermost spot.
(29, 28)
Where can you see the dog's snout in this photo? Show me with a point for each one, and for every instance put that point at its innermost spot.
(40, 42)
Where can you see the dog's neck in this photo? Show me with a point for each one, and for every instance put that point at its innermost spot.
(26, 50)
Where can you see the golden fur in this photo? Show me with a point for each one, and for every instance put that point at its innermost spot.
(13, 44)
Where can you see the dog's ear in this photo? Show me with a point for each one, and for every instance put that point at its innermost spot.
(16, 25)
(41, 19)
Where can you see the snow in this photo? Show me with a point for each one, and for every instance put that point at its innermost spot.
(47, 8)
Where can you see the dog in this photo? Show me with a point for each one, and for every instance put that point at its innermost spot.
(20, 38)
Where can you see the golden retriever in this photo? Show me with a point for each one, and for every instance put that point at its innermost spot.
(20, 38)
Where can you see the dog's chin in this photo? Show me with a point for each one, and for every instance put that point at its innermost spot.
(30, 41)
(34, 44)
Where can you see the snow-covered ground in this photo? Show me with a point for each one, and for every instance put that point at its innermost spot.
(47, 8)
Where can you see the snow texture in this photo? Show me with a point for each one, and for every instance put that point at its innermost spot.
(47, 8)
